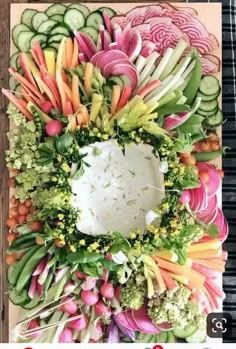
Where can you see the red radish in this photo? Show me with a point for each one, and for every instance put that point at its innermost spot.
(108, 256)
(70, 306)
(33, 287)
(40, 290)
(142, 321)
(34, 324)
(117, 35)
(40, 267)
(47, 106)
(107, 22)
(129, 70)
(105, 275)
(69, 287)
(66, 336)
(89, 298)
(125, 41)
(54, 128)
(113, 46)
(173, 121)
(185, 197)
(96, 332)
(117, 292)
(79, 324)
(80, 275)
(135, 46)
(89, 283)
(149, 88)
(83, 48)
(19, 103)
(107, 290)
(121, 318)
(68, 109)
(102, 309)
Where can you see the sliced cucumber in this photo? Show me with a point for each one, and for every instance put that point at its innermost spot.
(31, 304)
(60, 29)
(27, 15)
(56, 9)
(207, 113)
(55, 38)
(18, 89)
(74, 19)
(161, 337)
(55, 45)
(38, 19)
(50, 48)
(109, 11)
(116, 80)
(40, 38)
(17, 30)
(14, 63)
(197, 337)
(170, 337)
(12, 83)
(91, 32)
(95, 19)
(47, 26)
(82, 8)
(209, 85)
(209, 98)
(24, 39)
(18, 298)
(184, 332)
(215, 120)
(58, 18)
(209, 106)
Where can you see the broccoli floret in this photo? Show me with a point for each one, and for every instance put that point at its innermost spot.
(134, 292)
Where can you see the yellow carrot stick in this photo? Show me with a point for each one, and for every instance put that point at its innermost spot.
(204, 246)
(88, 74)
(168, 255)
(72, 126)
(213, 264)
(181, 278)
(80, 118)
(69, 52)
(159, 280)
(206, 254)
(60, 55)
(116, 93)
(96, 106)
(85, 113)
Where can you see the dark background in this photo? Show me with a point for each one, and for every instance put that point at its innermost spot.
(229, 162)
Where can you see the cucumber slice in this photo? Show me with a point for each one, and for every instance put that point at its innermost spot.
(58, 18)
(38, 19)
(18, 298)
(55, 38)
(209, 85)
(12, 83)
(17, 30)
(184, 332)
(31, 304)
(116, 80)
(56, 9)
(18, 89)
(74, 19)
(27, 15)
(47, 26)
(10, 270)
(197, 337)
(215, 120)
(40, 38)
(209, 106)
(82, 8)
(60, 29)
(24, 39)
(207, 113)
(170, 337)
(14, 63)
(209, 98)
(55, 45)
(91, 32)
(161, 337)
(109, 11)
(95, 19)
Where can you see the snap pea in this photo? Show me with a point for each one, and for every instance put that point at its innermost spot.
(173, 108)
(209, 155)
(29, 267)
(21, 239)
(193, 85)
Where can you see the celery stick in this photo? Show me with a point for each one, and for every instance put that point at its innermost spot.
(149, 68)
(189, 69)
(182, 100)
(183, 86)
(156, 90)
(177, 84)
(140, 63)
(178, 51)
(162, 64)
(163, 101)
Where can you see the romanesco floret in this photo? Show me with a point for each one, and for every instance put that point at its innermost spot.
(51, 198)
(134, 292)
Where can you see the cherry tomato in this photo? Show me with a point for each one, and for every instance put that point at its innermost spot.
(39, 240)
(11, 237)
(14, 202)
(215, 145)
(184, 155)
(221, 173)
(10, 259)
(11, 222)
(204, 175)
(28, 217)
(191, 160)
(22, 219)
(204, 146)
(28, 203)
(213, 137)
(13, 212)
(11, 182)
(59, 243)
(23, 210)
(35, 225)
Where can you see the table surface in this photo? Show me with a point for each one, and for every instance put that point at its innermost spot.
(229, 190)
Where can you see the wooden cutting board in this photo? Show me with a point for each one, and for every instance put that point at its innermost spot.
(210, 14)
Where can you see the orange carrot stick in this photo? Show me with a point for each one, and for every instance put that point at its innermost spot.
(173, 267)
(69, 52)
(116, 92)
(206, 254)
(213, 264)
(61, 90)
(159, 280)
(88, 77)
(168, 280)
(74, 60)
(75, 93)
(67, 91)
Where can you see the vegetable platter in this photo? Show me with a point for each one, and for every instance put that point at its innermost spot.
(115, 227)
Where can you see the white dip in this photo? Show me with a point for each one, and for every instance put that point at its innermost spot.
(116, 191)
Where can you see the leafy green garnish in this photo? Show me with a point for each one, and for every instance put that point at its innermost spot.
(64, 142)
(183, 143)
(84, 257)
(190, 179)
(120, 243)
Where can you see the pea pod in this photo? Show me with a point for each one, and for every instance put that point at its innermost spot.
(192, 129)
(209, 155)
(172, 108)
(29, 267)
(195, 119)
(20, 242)
(193, 85)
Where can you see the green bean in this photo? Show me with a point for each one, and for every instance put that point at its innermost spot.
(210, 155)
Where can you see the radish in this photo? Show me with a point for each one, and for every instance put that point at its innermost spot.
(66, 336)
(101, 309)
(80, 275)
(47, 106)
(69, 287)
(107, 290)
(34, 325)
(185, 197)
(117, 292)
(89, 298)
(79, 324)
(89, 283)
(54, 128)
(96, 332)
(70, 307)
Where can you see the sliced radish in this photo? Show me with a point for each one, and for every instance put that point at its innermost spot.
(214, 181)
(143, 321)
(211, 206)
